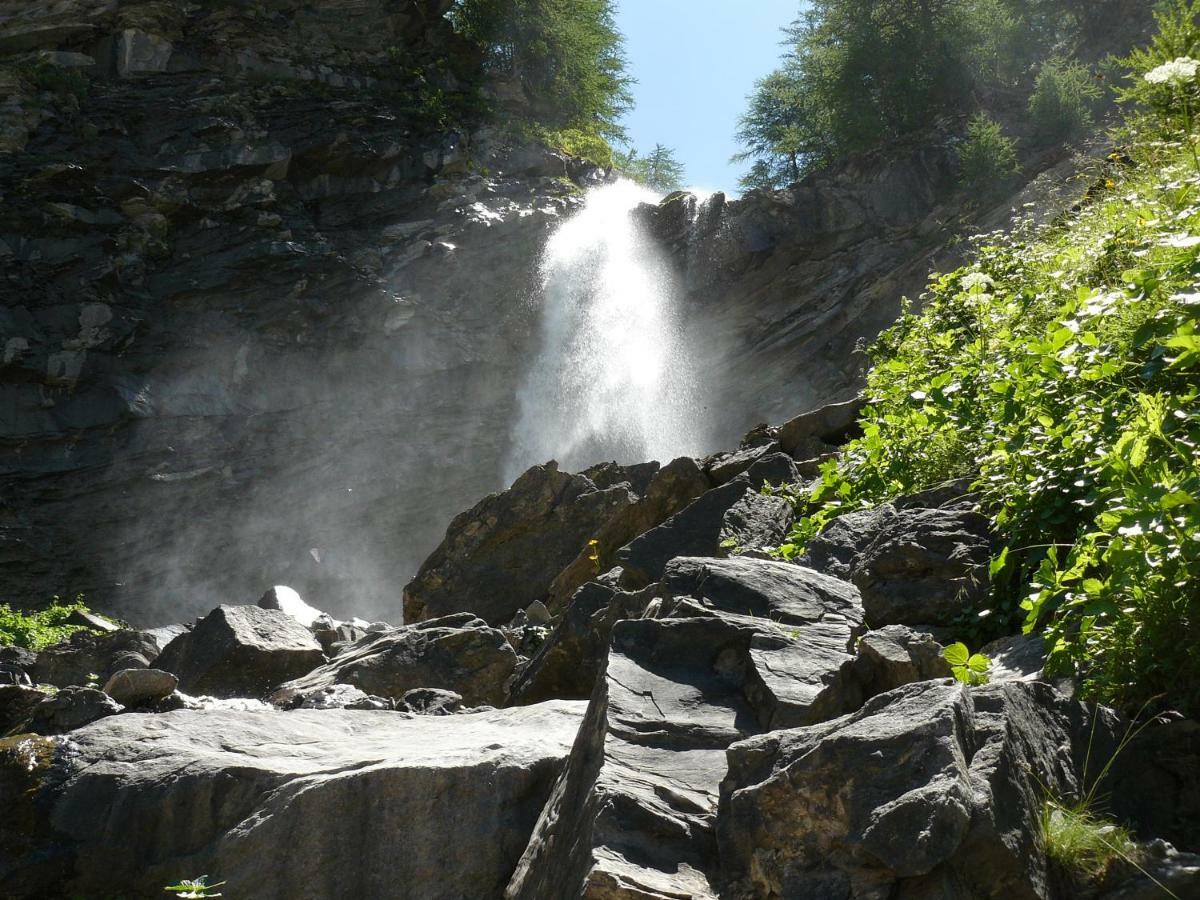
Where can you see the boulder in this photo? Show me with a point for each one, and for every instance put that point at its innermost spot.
(467, 657)
(775, 469)
(241, 651)
(734, 514)
(568, 663)
(925, 567)
(1155, 783)
(140, 687)
(16, 704)
(432, 702)
(814, 432)
(10, 674)
(894, 656)
(1162, 871)
(727, 466)
(283, 598)
(87, 656)
(501, 555)
(632, 814)
(933, 789)
(670, 489)
(302, 804)
(70, 708)
(1021, 657)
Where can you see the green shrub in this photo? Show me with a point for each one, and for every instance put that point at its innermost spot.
(1062, 100)
(576, 142)
(1062, 371)
(988, 158)
(40, 628)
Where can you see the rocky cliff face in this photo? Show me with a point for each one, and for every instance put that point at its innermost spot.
(265, 311)
(261, 320)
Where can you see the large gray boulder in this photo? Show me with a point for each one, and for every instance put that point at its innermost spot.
(632, 815)
(502, 554)
(241, 651)
(931, 790)
(914, 564)
(460, 654)
(303, 805)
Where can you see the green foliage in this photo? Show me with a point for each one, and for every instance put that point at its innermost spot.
(566, 54)
(583, 144)
(965, 666)
(659, 169)
(987, 156)
(1178, 35)
(41, 628)
(1062, 100)
(194, 889)
(859, 73)
(1082, 842)
(1061, 370)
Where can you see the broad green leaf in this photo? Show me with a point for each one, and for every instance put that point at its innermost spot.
(957, 654)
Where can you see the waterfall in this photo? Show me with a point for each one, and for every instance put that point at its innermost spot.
(612, 379)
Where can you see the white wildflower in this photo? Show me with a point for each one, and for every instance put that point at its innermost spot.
(1179, 71)
(976, 280)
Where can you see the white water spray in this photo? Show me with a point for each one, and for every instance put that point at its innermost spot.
(613, 379)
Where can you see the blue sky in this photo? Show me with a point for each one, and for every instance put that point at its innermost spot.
(695, 62)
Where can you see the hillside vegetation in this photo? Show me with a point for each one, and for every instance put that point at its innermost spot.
(1059, 372)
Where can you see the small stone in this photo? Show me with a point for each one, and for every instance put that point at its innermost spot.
(537, 613)
(140, 687)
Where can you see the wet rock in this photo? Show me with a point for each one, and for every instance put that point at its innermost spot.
(469, 658)
(140, 687)
(94, 621)
(10, 674)
(137, 800)
(503, 554)
(432, 702)
(140, 53)
(70, 708)
(927, 789)
(734, 514)
(16, 705)
(340, 696)
(88, 656)
(894, 656)
(1162, 871)
(286, 600)
(241, 651)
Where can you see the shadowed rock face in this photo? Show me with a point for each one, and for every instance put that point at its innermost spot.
(308, 804)
(260, 324)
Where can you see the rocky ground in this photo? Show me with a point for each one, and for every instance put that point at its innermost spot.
(681, 717)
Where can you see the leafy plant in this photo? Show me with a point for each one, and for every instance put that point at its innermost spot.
(1062, 99)
(1060, 370)
(1081, 841)
(195, 889)
(37, 629)
(967, 667)
(988, 157)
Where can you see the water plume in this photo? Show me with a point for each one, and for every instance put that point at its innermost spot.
(612, 379)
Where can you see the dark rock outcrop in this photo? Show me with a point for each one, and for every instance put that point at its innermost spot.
(241, 651)
(87, 655)
(501, 555)
(69, 709)
(929, 790)
(367, 804)
(729, 517)
(464, 656)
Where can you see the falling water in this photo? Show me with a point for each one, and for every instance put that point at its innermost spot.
(612, 379)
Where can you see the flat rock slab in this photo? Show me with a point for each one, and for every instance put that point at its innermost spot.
(304, 804)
